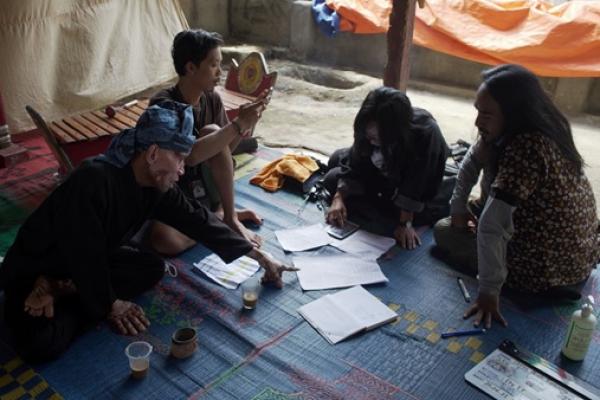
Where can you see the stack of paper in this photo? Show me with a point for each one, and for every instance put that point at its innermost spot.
(336, 271)
(345, 313)
(304, 238)
(228, 275)
(365, 244)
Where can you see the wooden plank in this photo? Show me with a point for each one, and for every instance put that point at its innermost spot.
(72, 132)
(80, 128)
(111, 130)
(136, 110)
(99, 131)
(60, 135)
(143, 103)
(399, 40)
(111, 121)
(134, 117)
(124, 120)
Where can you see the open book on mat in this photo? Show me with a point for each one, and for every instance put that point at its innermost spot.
(340, 315)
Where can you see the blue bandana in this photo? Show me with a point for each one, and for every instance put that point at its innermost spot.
(169, 125)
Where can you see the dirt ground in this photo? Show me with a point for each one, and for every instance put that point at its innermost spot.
(314, 107)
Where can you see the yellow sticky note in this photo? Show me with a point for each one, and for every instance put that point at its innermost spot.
(411, 316)
(433, 337)
(473, 343)
(412, 328)
(454, 346)
(430, 325)
(477, 357)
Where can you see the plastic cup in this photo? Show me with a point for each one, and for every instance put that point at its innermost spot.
(138, 354)
(250, 292)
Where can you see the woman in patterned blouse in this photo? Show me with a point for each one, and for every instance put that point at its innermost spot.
(538, 232)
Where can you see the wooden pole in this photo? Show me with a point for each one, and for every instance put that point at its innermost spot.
(399, 40)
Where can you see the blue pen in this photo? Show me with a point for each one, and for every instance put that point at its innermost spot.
(470, 332)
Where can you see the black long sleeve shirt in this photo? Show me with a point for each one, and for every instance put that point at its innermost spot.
(90, 215)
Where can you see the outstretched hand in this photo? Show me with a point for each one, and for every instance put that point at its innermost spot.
(273, 270)
(486, 308)
(128, 318)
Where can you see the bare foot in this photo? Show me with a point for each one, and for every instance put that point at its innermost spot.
(41, 299)
(250, 236)
(248, 215)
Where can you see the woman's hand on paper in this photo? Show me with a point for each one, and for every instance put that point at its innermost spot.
(337, 213)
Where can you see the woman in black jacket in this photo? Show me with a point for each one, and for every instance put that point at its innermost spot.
(396, 164)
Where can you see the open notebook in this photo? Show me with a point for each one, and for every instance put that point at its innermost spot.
(345, 313)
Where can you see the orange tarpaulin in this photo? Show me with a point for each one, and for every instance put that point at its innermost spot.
(562, 40)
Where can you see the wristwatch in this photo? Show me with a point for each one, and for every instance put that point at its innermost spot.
(405, 224)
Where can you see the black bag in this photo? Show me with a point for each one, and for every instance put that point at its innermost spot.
(303, 188)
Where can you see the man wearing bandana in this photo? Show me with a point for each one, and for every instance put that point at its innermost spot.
(68, 268)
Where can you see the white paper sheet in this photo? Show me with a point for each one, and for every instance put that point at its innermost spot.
(228, 275)
(336, 271)
(342, 314)
(304, 238)
(364, 244)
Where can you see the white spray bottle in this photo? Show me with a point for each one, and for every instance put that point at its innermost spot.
(580, 332)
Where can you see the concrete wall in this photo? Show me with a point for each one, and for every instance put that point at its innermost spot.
(289, 24)
(261, 21)
(210, 15)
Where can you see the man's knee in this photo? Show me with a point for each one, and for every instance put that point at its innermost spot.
(442, 232)
(169, 241)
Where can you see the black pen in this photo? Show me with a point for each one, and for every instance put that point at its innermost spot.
(470, 332)
(464, 290)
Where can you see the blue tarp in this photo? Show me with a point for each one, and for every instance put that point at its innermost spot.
(272, 353)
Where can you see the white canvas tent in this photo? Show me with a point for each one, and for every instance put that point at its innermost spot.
(69, 56)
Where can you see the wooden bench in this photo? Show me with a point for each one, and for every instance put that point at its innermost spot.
(74, 138)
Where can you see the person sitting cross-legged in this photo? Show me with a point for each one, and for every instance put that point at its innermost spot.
(208, 178)
(69, 268)
(396, 165)
(538, 231)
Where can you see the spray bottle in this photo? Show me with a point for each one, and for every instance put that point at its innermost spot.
(580, 332)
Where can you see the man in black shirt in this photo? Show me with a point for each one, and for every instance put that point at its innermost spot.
(68, 267)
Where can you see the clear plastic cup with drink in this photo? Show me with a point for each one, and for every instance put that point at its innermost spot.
(138, 354)
(250, 292)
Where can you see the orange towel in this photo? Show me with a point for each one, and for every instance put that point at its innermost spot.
(561, 40)
(294, 166)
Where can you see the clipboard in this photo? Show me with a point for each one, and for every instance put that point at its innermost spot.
(510, 372)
